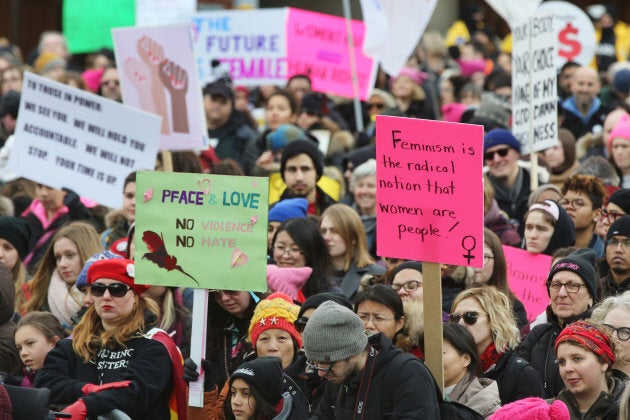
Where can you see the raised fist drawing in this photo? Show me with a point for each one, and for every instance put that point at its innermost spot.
(152, 54)
(140, 77)
(175, 79)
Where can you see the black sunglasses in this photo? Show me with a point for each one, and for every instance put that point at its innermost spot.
(300, 323)
(469, 317)
(115, 289)
(500, 152)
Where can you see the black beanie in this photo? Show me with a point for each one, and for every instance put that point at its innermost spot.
(620, 227)
(622, 199)
(581, 262)
(17, 232)
(264, 374)
(298, 147)
(412, 265)
(314, 301)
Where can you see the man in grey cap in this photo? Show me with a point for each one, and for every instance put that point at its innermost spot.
(379, 380)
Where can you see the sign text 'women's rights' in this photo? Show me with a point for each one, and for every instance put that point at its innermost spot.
(207, 231)
(429, 191)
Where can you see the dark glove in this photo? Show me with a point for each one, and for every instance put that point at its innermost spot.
(78, 410)
(87, 388)
(71, 198)
(191, 374)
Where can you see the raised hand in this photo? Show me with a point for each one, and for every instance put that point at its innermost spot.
(175, 79)
(138, 72)
(152, 54)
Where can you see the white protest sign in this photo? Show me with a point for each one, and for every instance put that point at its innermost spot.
(164, 12)
(66, 137)
(534, 91)
(574, 32)
(250, 44)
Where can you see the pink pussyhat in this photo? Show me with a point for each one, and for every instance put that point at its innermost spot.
(289, 280)
(532, 409)
(414, 74)
(621, 130)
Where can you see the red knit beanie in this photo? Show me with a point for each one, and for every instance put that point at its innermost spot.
(275, 312)
(590, 337)
(119, 269)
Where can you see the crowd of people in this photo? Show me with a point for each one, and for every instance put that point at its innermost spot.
(340, 331)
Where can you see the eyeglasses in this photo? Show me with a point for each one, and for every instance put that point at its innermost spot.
(612, 216)
(500, 152)
(110, 83)
(576, 202)
(555, 286)
(376, 318)
(469, 317)
(623, 333)
(376, 105)
(486, 259)
(409, 286)
(115, 289)
(300, 323)
(292, 252)
(614, 242)
(314, 366)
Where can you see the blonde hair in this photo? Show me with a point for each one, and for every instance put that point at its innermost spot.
(89, 335)
(88, 243)
(348, 224)
(613, 302)
(505, 333)
(19, 278)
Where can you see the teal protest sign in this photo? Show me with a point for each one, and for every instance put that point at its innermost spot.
(202, 231)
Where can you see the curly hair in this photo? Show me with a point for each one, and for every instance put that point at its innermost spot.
(505, 333)
(589, 185)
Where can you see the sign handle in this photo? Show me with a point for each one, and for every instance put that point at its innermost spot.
(198, 344)
(167, 161)
(432, 283)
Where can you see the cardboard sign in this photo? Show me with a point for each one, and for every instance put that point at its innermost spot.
(250, 45)
(157, 74)
(527, 277)
(429, 190)
(317, 45)
(574, 32)
(164, 12)
(87, 24)
(534, 90)
(66, 137)
(202, 231)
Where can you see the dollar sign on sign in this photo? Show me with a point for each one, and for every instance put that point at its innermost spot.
(570, 48)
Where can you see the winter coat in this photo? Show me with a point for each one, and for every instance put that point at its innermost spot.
(578, 124)
(515, 378)
(498, 222)
(352, 278)
(9, 356)
(609, 287)
(305, 389)
(538, 350)
(480, 394)
(117, 228)
(143, 361)
(606, 407)
(322, 201)
(398, 389)
(233, 138)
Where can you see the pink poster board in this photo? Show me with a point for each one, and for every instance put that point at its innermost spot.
(429, 190)
(317, 45)
(527, 277)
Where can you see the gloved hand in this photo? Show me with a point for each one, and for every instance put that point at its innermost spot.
(87, 388)
(191, 374)
(78, 410)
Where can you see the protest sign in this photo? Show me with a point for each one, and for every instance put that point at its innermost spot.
(317, 45)
(527, 278)
(164, 12)
(574, 32)
(429, 190)
(250, 45)
(534, 91)
(66, 137)
(202, 231)
(157, 74)
(87, 24)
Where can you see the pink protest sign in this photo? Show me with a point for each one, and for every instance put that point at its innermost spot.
(527, 277)
(429, 191)
(317, 45)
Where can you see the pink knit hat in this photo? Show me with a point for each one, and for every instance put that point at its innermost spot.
(287, 280)
(621, 130)
(92, 79)
(532, 409)
(453, 112)
(413, 73)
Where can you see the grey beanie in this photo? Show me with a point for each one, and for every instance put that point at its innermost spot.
(333, 333)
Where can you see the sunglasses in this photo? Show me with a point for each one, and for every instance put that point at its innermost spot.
(500, 152)
(469, 317)
(376, 105)
(115, 289)
(300, 324)
(216, 294)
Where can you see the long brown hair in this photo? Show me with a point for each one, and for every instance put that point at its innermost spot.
(88, 243)
(350, 228)
(89, 335)
(499, 273)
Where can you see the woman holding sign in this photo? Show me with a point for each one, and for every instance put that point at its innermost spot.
(487, 314)
(547, 228)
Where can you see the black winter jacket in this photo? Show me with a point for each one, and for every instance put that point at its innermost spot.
(515, 378)
(409, 385)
